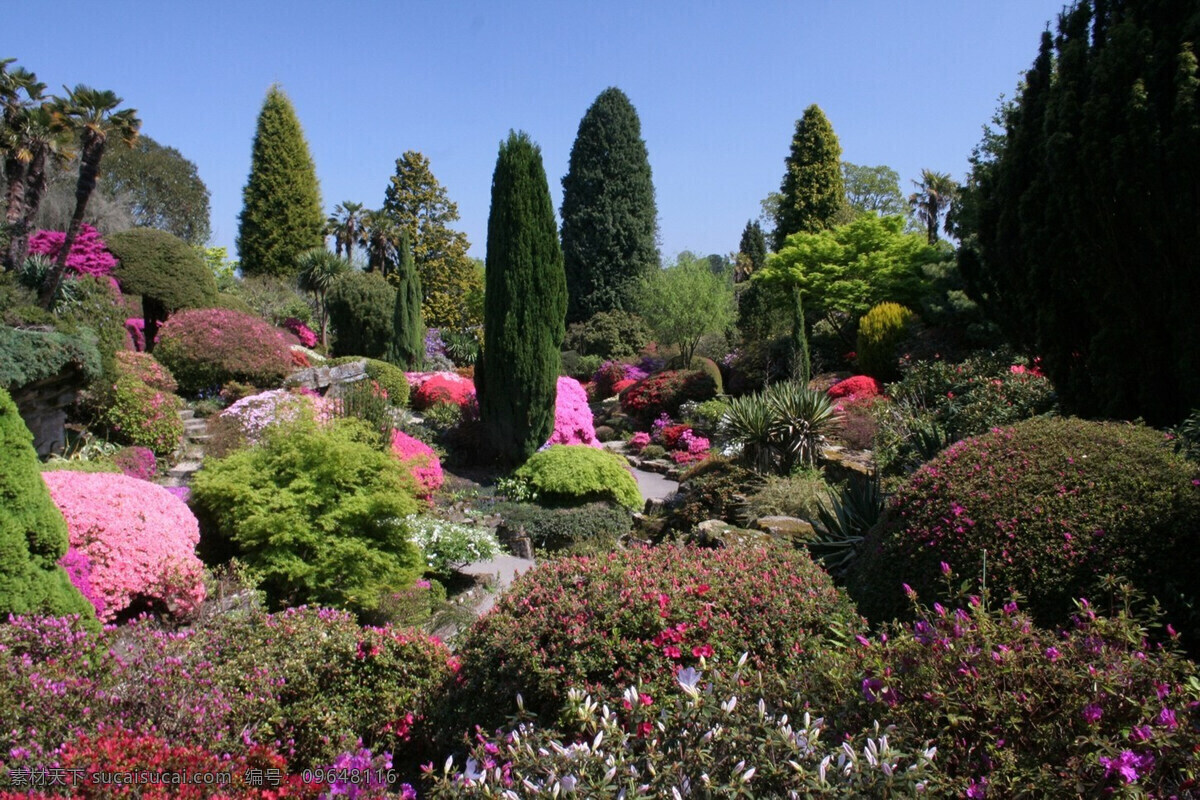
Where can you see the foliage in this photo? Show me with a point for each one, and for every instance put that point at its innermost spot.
(608, 334)
(1068, 270)
(205, 348)
(448, 545)
(318, 271)
(274, 299)
(526, 301)
(873, 190)
(32, 533)
(573, 423)
(575, 474)
(139, 414)
(589, 528)
(685, 302)
(301, 331)
(665, 392)
(610, 373)
(391, 380)
(798, 494)
(89, 253)
(281, 213)
(421, 462)
(420, 206)
(27, 356)
(846, 518)
(609, 216)
(253, 414)
(714, 489)
(407, 347)
(752, 251)
(139, 539)
(813, 192)
(880, 333)
(1186, 436)
(360, 306)
(1056, 503)
(931, 203)
(333, 536)
(782, 427)
(705, 417)
(161, 187)
(636, 618)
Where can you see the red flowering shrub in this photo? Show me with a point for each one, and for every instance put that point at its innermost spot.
(1056, 503)
(205, 348)
(137, 462)
(440, 387)
(88, 254)
(139, 538)
(664, 392)
(669, 435)
(607, 622)
(573, 422)
(620, 386)
(856, 387)
(422, 462)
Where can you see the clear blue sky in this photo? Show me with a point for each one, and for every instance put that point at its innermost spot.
(718, 87)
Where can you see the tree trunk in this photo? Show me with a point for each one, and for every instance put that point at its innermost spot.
(15, 171)
(89, 170)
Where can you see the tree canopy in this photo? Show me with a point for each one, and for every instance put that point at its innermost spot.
(813, 194)
(160, 187)
(874, 190)
(685, 302)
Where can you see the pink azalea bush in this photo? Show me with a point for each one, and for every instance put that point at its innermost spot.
(140, 539)
(431, 388)
(422, 462)
(573, 422)
(256, 413)
(639, 441)
(305, 334)
(137, 462)
(88, 253)
(135, 329)
(208, 347)
(79, 570)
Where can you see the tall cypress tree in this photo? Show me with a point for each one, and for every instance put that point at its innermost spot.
(813, 189)
(281, 212)
(609, 216)
(407, 350)
(524, 306)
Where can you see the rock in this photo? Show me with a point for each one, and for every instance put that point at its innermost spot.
(648, 527)
(842, 465)
(320, 379)
(717, 534)
(790, 528)
(605, 433)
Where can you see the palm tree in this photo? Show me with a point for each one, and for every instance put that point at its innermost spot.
(90, 114)
(383, 235)
(19, 89)
(39, 144)
(935, 192)
(345, 225)
(319, 268)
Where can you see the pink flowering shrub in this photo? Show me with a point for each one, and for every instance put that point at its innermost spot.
(79, 570)
(135, 330)
(422, 462)
(604, 623)
(430, 389)
(639, 441)
(145, 368)
(304, 333)
(859, 386)
(206, 348)
(573, 422)
(88, 254)
(141, 408)
(137, 462)
(139, 538)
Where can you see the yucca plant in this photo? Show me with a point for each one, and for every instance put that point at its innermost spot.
(748, 422)
(800, 420)
(845, 520)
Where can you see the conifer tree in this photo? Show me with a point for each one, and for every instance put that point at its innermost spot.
(407, 350)
(752, 251)
(281, 212)
(524, 306)
(813, 189)
(609, 216)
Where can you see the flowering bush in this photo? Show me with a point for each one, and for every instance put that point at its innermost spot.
(205, 348)
(79, 570)
(431, 388)
(606, 623)
(146, 369)
(665, 392)
(447, 545)
(135, 329)
(304, 333)
(140, 408)
(855, 387)
(88, 254)
(573, 423)
(1056, 503)
(421, 461)
(139, 538)
(254, 414)
(576, 474)
(137, 462)
(639, 441)
(613, 372)
(620, 386)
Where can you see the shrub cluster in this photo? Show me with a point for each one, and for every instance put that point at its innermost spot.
(611, 373)
(421, 462)
(447, 545)
(664, 392)
(360, 309)
(89, 254)
(856, 387)
(431, 388)
(609, 334)
(590, 528)
(27, 356)
(575, 474)
(880, 332)
(252, 415)
(141, 407)
(205, 348)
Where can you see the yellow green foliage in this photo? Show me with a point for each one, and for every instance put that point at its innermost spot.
(577, 474)
(879, 334)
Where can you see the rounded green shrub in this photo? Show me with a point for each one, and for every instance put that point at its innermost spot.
(316, 511)
(594, 527)
(138, 414)
(1056, 503)
(391, 379)
(604, 623)
(609, 335)
(574, 474)
(880, 332)
(207, 348)
(33, 534)
(709, 368)
(360, 308)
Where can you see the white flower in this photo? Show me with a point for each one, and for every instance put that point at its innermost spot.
(688, 679)
(472, 772)
(568, 783)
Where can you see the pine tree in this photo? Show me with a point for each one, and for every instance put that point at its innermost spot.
(407, 350)
(281, 213)
(524, 306)
(813, 190)
(752, 251)
(609, 216)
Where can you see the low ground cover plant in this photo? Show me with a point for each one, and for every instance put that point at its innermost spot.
(585, 529)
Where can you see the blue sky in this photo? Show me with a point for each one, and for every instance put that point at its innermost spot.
(718, 87)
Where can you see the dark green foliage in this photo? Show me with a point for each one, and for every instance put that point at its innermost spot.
(28, 356)
(609, 217)
(1078, 222)
(801, 370)
(880, 332)
(97, 306)
(569, 475)
(609, 334)
(281, 213)
(33, 535)
(525, 305)
(364, 402)
(814, 194)
(161, 188)
(361, 305)
(715, 489)
(1057, 504)
(407, 348)
(753, 247)
(332, 537)
(590, 528)
(709, 368)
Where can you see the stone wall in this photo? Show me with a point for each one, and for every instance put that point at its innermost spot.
(43, 406)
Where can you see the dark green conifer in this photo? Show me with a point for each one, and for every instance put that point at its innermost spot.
(281, 213)
(524, 306)
(408, 330)
(752, 251)
(813, 189)
(609, 216)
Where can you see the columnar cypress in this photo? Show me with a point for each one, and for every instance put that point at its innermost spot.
(524, 306)
(813, 189)
(609, 216)
(407, 350)
(281, 213)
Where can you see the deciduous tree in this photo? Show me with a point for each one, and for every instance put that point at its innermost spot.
(685, 302)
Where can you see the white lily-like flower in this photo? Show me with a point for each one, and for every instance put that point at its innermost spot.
(729, 705)
(688, 680)
(568, 783)
(472, 772)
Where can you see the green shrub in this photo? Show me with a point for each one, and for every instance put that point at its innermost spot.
(799, 494)
(709, 368)
(591, 528)
(880, 332)
(233, 303)
(315, 511)
(576, 474)
(608, 335)
(97, 306)
(138, 414)
(714, 489)
(705, 418)
(1057, 504)
(609, 622)
(28, 356)
(391, 379)
(207, 348)
(579, 367)
(664, 392)
(272, 298)
(33, 534)
(360, 309)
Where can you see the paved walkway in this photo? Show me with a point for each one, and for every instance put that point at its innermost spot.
(653, 485)
(504, 568)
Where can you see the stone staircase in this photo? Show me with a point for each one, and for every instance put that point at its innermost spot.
(195, 434)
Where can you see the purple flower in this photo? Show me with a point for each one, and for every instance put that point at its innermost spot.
(1129, 765)
(1052, 653)
(977, 791)
(1166, 718)
(1141, 733)
(1092, 713)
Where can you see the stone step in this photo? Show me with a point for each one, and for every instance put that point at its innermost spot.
(193, 452)
(187, 414)
(198, 438)
(195, 426)
(184, 469)
(171, 482)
